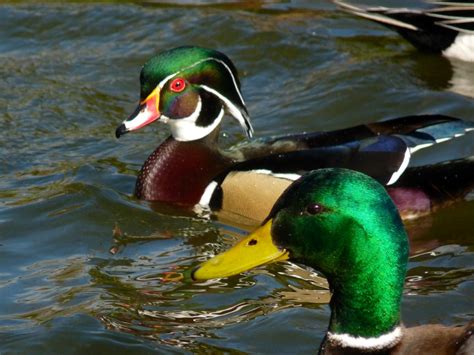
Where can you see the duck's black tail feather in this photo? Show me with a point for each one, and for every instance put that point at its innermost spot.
(430, 30)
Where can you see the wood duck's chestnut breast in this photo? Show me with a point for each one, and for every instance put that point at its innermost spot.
(178, 172)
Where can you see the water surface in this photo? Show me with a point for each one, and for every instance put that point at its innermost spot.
(69, 76)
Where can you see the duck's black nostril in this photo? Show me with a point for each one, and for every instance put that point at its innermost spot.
(252, 242)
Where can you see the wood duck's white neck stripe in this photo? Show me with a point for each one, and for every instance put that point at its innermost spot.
(384, 341)
(185, 129)
(396, 175)
(233, 110)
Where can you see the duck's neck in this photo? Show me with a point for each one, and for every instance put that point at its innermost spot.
(366, 295)
(178, 172)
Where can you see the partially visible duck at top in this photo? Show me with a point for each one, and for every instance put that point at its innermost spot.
(192, 88)
(447, 29)
(343, 224)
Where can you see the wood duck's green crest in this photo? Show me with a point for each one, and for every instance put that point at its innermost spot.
(190, 88)
(200, 65)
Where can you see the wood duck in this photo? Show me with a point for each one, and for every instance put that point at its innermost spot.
(448, 30)
(192, 88)
(344, 224)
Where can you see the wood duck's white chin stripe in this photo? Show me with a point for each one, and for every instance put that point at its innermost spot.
(396, 175)
(185, 129)
(233, 110)
(384, 341)
(462, 47)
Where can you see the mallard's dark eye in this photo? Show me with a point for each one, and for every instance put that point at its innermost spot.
(315, 208)
(178, 85)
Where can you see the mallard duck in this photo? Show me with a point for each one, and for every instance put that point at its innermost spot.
(192, 88)
(344, 224)
(448, 30)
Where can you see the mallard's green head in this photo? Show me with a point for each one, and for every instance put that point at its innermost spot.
(332, 216)
(189, 88)
(344, 224)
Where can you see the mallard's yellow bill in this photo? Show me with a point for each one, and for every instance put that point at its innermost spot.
(254, 250)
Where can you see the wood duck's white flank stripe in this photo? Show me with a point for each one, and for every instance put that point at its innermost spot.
(233, 110)
(396, 175)
(291, 177)
(211, 188)
(439, 140)
(462, 47)
(384, 341)
(207, 195)
(420, 146)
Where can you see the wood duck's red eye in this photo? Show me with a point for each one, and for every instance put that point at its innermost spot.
(177, 85)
